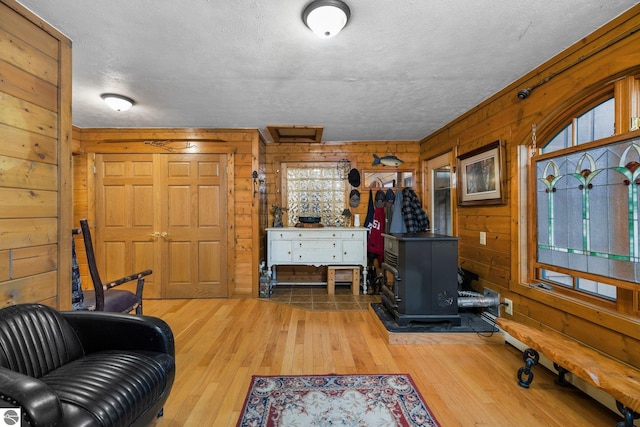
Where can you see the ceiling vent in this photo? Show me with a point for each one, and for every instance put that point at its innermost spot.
(310, 134)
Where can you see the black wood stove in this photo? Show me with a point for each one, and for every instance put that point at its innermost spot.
(421, 277)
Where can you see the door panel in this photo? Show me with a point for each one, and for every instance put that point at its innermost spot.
(196, 236)
(125, 219)
(163, 211)
(209, 215)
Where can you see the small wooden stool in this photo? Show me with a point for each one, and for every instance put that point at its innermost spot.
(355, 278)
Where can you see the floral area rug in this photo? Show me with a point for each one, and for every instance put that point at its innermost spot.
(334, 400)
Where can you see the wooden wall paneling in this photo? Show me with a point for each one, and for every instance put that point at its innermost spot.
(623, 105)
(24, 56)
(34, 288)
(233, 223)
(23, 144)
(263, 208)
(34, 260)
(25, 29)
(531, 296)
(5, 265)
(35, 124)
(627, 302)
(26, 86)
(83, 195)
(490, 257)
(76, 142)
(65, 177)
(28, 203)
(495, 241)
(25, 232)
(22, 114)
(608, 54)
(28, 174)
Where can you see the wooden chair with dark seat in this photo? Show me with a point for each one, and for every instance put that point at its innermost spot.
(104, 297)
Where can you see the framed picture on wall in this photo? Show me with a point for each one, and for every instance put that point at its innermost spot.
(480, 174)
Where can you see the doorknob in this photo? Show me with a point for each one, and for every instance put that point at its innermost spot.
(157, 234)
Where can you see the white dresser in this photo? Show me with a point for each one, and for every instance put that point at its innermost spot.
(317, 246)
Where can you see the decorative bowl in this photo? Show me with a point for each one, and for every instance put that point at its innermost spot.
(309, 219)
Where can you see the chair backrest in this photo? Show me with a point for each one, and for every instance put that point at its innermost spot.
(36, 339)
(77, 296)
(93, 268)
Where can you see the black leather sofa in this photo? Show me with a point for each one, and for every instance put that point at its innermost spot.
(82, 369)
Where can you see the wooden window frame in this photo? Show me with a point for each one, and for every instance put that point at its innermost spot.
(626, 95)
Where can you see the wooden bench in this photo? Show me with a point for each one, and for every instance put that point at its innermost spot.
(615, 378)
(354, 279)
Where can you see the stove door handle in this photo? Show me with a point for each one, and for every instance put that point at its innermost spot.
(393, 270)
(391, 294)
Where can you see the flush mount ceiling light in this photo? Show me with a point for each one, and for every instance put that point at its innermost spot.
(326, 17)
(117, 102)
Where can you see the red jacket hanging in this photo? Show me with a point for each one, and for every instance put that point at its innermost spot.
(375, 244)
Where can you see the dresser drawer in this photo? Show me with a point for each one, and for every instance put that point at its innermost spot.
(317, 244)
(318, 234)
(353, 235)
(316, 257)
(283, 235)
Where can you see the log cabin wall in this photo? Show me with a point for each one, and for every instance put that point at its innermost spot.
(242, 147)
(359, 153)
(607, 55)
(82, 201)
(260, 192)
(35, 160)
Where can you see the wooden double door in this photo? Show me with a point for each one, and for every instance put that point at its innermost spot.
(166, 212)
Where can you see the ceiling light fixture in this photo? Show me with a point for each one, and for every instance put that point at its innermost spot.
(117, 102)
(326, 17)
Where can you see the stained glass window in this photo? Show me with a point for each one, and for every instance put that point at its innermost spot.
(587, 206)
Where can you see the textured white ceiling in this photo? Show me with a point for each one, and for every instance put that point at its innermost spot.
(399, 70)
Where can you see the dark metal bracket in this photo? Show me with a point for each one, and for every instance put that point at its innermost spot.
(561, 373)
(525, 374)
(628, 414)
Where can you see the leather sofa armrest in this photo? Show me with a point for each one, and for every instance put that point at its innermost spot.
(100, 331)
(32, 396)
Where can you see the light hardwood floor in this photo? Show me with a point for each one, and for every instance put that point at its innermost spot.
(220, 344)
